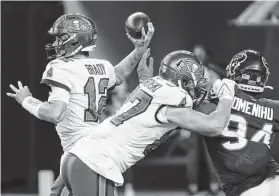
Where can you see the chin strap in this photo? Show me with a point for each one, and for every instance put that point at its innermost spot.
(269, 87)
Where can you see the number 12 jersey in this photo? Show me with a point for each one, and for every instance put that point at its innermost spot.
(87, 81)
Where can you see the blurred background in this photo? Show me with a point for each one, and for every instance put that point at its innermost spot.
(215, 31)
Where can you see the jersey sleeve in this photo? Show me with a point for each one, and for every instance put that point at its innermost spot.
(57, 75)
(275, 105)
(172, 96)
(59, 94)
(111, 75)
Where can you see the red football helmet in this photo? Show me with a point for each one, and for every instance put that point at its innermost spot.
(185, 70)
(73, 33)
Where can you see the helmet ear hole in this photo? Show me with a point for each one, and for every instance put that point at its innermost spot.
(61, 52)
(64, 37)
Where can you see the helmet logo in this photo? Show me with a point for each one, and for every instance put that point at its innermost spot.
(188, 67)
(77, 26)
(191, 66)
(235, 62)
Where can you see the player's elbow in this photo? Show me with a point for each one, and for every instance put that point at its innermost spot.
(216, 131)
(119, 75)
(53, 112)
(220, 125)
(57, 116)
(215, 128)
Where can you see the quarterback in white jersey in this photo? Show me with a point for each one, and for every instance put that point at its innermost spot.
(78, 83)
(86, 80)
(155, 108)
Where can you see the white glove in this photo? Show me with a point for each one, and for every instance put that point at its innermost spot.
(224, 88)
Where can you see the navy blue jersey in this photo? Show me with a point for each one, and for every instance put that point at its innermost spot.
(241, 155)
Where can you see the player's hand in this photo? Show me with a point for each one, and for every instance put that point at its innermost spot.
(224, 88)
(142, 44)
(20, 93)
(145, 66)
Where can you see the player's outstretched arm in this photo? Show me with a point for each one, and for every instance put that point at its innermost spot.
(145, 67)
(127, 65)
(51, 111)
(208, 125)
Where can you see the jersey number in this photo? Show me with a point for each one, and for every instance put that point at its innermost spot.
(140, 101)
(237, 128)
(92, 113)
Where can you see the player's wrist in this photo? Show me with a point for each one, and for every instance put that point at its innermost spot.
(144, 77)
(25, 100)
(139, 52)
(227, 97)
(224, 88)
(32, 105)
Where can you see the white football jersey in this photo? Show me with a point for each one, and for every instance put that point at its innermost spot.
(87, 81)
(138, 127)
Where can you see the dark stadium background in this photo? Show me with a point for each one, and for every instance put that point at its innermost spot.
(30, 145)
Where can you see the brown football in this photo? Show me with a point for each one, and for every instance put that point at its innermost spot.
(135, 22)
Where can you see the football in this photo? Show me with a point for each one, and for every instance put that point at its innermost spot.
(135, 22)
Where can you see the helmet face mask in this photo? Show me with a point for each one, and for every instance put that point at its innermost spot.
(57, 48)
(249, 70)
(185, 70)
(73, 33)
(196, 91)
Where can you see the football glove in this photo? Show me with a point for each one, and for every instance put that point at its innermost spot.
(145, 67)
(224, 88)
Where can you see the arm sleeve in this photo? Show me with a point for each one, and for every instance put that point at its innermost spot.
(57, 76)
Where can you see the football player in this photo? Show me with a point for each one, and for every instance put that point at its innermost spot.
(148, 116)
(78, 83)
(242, 155)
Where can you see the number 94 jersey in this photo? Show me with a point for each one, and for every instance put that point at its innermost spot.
(241, 155)
(87, 81)
(138, 127)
